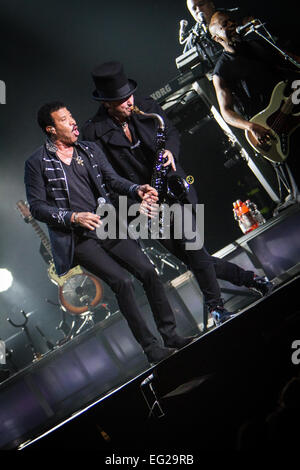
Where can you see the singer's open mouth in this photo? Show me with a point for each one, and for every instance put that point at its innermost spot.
(75, 131)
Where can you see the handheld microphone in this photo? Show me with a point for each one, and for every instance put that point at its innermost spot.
(242, 29)
(182, 34)
(203, 22)
(101, 201)
(228, 10)
(202, 18)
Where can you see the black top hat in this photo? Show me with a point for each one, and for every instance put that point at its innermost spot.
(112, 83)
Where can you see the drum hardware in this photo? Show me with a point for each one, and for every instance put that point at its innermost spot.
(36, 355)
(65, 329)
(107, 309)
(50, 346)
(87, 319)
(89, 315)
(63, 325)
(80, 295)
(80, 320)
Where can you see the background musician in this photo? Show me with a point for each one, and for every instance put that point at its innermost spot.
(245, 76)
(64, 179)
(129, 141)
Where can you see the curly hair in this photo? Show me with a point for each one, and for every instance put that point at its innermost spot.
(44, 117)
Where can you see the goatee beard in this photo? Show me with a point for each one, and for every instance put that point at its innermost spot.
(235, 41)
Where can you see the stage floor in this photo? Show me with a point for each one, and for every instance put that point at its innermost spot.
(104, 364)
(28, 416)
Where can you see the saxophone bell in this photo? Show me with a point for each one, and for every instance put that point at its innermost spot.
(177, 188)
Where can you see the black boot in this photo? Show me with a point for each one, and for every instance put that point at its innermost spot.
(156, 353)
(179, 342)
(261, 285)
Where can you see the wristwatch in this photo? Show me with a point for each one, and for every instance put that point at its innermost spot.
(75, 221)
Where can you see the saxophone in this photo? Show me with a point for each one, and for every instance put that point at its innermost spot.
(171, 187)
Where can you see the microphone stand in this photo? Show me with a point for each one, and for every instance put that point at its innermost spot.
(280, 168)
(197, 36)
(271, 41)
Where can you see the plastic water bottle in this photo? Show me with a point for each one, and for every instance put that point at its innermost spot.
(243, 214)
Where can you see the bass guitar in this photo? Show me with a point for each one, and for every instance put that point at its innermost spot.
(281, 117)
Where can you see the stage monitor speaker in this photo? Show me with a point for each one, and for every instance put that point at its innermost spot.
(184, 290)
(273, 249)
(278, 249)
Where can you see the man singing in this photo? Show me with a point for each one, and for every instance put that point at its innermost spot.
(64, 179)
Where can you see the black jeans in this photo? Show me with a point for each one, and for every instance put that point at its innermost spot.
(111, 262)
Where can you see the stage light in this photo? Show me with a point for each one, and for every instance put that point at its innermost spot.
(6, 279)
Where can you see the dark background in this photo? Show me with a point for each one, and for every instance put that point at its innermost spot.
(47, 52)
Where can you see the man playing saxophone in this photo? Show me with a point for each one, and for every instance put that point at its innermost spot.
(129, 141)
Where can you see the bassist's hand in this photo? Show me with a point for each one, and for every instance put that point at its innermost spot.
(260, 133)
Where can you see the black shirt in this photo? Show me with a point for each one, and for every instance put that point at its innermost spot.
(251, 74)
(141, 159)
(83, 193)
(83, 196)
